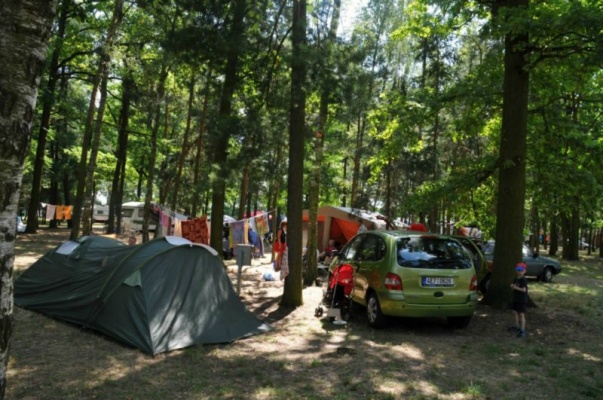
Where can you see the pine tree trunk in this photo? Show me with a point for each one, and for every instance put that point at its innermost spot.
(311, 273)
(236, 36)
(185, 141)
(48, 99)
(160, 95)
(292, 293)
(200, 146)
(24, 32)
(117, 185)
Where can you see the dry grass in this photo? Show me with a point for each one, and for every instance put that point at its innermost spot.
(309, 358)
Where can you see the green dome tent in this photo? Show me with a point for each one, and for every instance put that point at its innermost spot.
(162, 295)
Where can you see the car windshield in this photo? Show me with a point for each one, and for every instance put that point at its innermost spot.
(432, 253)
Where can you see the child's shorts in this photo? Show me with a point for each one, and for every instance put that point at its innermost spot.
(519, 307)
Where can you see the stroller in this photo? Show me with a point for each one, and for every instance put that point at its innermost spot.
(337, 297)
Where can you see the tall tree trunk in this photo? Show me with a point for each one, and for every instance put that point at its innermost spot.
(116, 199)
(327, 87)
(276, 188)
(236, 38)
(243, 192)
(87, 141)
(200, 145)
(292, 293)
(553, 237)
(359, 145)
(48, 99)
(103, 71)
(24, 32)
(512, 161)
(160, 95)
(185, 140)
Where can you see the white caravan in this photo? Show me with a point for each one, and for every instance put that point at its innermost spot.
(133, 214)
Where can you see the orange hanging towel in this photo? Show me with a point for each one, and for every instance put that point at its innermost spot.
(68, 211)
(60, 213)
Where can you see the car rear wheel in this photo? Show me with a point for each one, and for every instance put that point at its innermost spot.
(547, 274)
(484, 284)
(459, 322)
(376, 319)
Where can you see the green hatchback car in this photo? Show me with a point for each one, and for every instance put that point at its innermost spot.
(411, 274)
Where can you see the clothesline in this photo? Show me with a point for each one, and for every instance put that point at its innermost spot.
(197, 230)
(58, 212)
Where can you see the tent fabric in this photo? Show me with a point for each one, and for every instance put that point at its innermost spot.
(342, 223)
(342, 231)
(157, 296)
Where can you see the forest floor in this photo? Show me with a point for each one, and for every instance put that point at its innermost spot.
(305, 357)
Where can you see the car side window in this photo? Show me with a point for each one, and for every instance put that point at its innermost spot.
(372, 249)
(349, 253)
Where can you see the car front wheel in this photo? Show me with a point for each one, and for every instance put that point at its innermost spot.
(376, 319)
(547, 274)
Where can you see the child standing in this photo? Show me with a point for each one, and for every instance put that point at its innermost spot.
(520, 300)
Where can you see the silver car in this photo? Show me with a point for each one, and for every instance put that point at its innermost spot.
(544, 268)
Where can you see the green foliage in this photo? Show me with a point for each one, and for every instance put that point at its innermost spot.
(415, 100)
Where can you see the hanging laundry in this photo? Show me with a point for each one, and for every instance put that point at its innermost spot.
(165, 219)
(68, 212)
(203, 230)
(60, 213)
(177, 227)
(188, 228)
(252, 224)
(50, 210)
(261, 224)
(195, 230)
(237, 233)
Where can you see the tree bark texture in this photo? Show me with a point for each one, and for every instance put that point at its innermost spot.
(24, 32)
(512, 161)
(47, 97)
(311, 271)
(292, 294)
(185, 141)
(236, 36)
(200, 143)
(117, 185)
(103, 72)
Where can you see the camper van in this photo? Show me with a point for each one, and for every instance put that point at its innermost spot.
(133, 214)
(101, 213)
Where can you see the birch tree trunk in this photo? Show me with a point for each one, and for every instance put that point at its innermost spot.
(24, 32)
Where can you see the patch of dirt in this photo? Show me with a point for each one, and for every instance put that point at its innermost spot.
(308, 357)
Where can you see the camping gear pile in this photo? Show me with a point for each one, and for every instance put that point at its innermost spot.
(162, 295)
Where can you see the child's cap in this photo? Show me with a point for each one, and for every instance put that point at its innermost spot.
(520, 267)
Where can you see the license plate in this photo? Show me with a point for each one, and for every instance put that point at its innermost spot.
(431, 281)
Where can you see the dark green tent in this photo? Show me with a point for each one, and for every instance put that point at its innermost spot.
(158, 296)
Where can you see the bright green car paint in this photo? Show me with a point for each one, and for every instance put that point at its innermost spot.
(374, 254)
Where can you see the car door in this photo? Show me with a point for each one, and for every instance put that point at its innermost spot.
(370, 267)
(534, 264)
(479, 260)
(348, 255)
